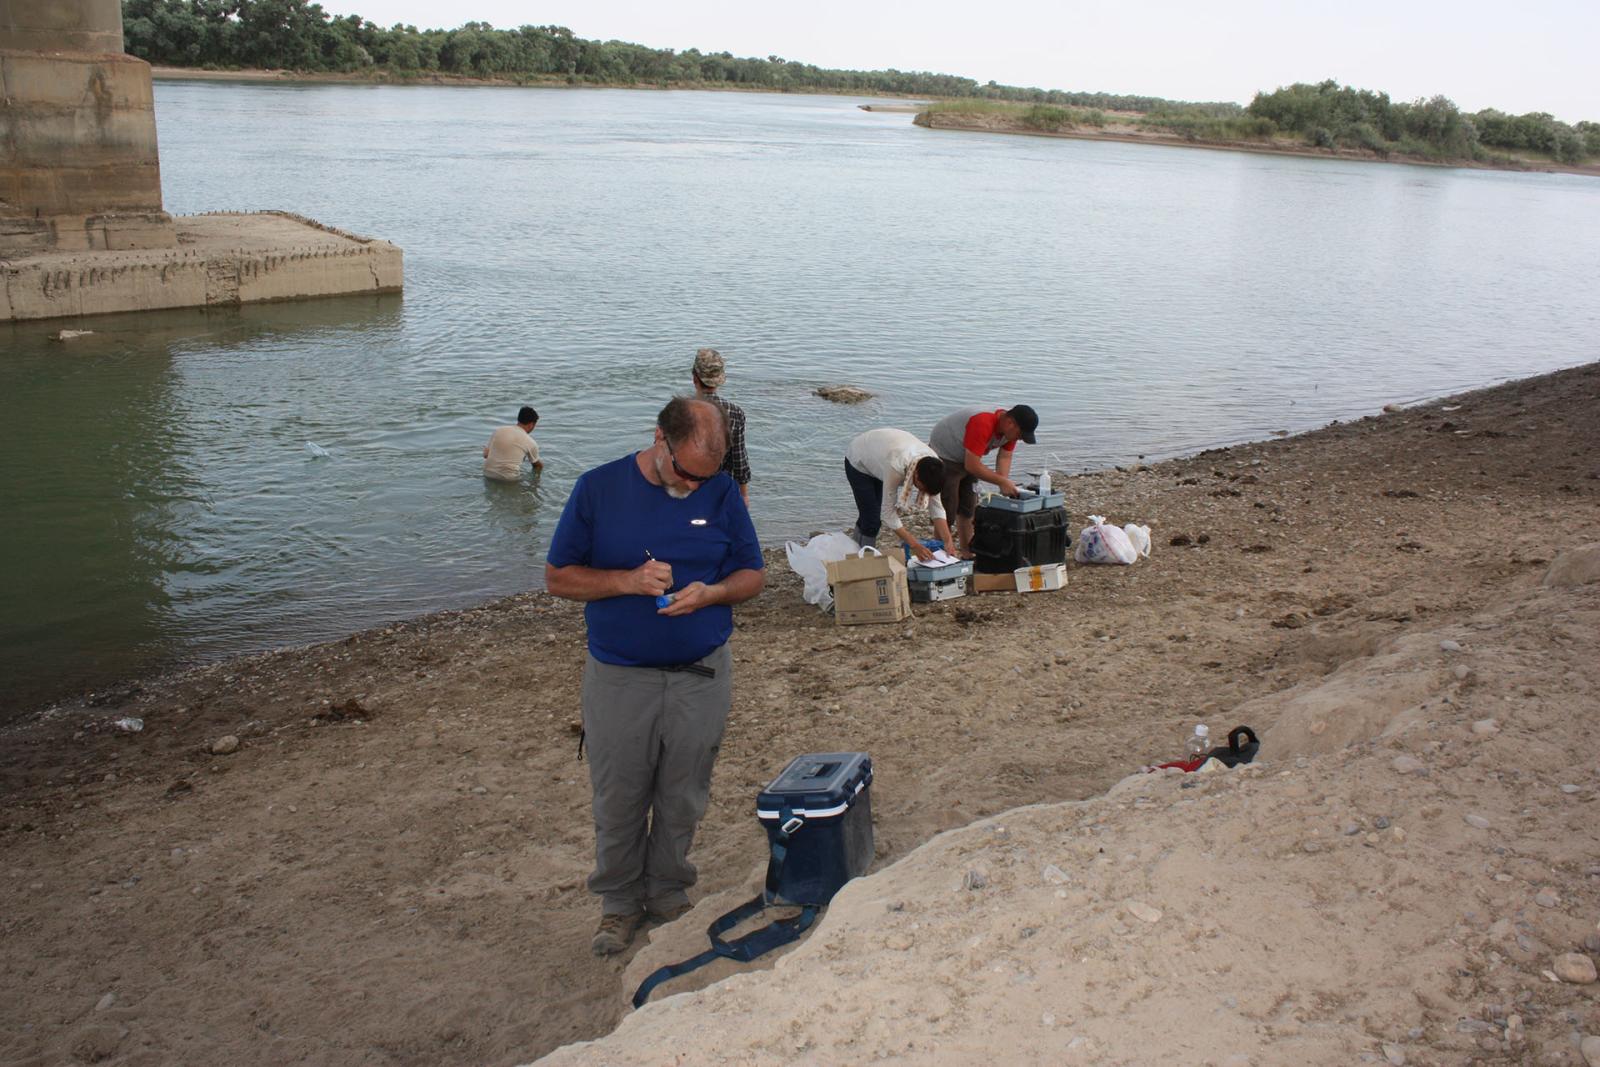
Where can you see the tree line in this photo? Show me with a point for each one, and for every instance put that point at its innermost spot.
(300, 35)
(1330, 115)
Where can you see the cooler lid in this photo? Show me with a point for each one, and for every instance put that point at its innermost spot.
(816, 785)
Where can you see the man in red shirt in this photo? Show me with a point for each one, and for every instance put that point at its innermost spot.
(961, 439)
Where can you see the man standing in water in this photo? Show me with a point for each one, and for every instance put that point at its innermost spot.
(502, 456)
(710, 371)
(659, 546)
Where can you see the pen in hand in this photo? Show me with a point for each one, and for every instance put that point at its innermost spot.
(665, 598)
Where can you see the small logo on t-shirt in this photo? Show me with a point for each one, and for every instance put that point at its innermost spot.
(697, 522)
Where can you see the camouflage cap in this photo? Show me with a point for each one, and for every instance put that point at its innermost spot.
(709, 368)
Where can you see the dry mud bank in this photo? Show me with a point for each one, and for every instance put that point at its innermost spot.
(1124, 127)
(389, 867)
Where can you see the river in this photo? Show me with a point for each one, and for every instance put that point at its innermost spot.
(572, 248)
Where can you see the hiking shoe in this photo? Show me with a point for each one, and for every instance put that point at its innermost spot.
(665, 913)
(615, 932)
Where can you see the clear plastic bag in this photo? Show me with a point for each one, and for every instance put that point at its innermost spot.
(1139, 537)
(1104, 544)
(810, 561)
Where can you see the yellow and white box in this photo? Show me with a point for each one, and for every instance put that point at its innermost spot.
(1040, 577)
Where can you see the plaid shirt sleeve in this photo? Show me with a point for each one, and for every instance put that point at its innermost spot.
(737, 461)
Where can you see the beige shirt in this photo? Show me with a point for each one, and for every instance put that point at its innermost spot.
(507, 446)
(889, 456)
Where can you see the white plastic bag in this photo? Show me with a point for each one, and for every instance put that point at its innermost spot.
(810, 561)
(1139, 537)
(1103, 544)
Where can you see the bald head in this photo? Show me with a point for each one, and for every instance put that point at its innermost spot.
(688, 420)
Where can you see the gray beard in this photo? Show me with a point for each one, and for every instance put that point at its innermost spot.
(675, 492)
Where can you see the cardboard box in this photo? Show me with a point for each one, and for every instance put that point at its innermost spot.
(993, 583)
(1040, 577)
(870, 588)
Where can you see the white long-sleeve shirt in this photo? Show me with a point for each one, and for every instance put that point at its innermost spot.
(889, 456)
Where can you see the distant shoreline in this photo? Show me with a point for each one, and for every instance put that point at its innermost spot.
(383, 77)
(1129, 134)
(1121, 133)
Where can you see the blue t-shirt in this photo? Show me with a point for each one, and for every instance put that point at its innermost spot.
(613, 517)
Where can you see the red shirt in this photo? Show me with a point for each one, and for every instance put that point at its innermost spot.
(981, 435)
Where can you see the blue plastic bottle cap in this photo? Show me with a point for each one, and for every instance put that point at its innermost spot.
(663, 600)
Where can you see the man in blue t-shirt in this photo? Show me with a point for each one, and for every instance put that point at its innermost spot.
(659, 546)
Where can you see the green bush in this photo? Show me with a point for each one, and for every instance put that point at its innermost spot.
(1197, 125)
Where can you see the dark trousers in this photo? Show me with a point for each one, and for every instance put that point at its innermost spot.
(869, 502)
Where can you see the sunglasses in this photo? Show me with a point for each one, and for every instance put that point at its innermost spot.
(688, 476)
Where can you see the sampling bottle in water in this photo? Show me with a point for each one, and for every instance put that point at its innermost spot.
(1199, 742)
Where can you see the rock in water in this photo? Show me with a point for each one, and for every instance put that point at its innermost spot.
(843, 394)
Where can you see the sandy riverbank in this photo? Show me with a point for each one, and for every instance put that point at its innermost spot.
(1123, 127)
(389, 868)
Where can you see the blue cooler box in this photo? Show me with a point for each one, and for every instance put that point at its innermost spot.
(828, 792)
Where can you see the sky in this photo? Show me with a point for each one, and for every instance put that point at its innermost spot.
(1537, 56)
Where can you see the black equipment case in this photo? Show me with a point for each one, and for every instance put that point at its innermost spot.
(1005, 540)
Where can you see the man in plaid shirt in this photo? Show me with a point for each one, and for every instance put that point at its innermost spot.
(710, 371)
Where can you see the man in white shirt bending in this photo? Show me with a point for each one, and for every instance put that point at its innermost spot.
(890, 471)
(503, 455)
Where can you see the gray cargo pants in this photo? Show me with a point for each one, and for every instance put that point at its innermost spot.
(652, 736)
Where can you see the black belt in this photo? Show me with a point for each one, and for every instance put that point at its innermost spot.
(692, 668)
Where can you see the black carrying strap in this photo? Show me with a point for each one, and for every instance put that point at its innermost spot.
(756, 943)
(1237, 753)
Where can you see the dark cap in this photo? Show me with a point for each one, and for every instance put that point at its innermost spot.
(1027, 421)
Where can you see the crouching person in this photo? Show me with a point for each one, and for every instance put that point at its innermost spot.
(891, 472)
(657, 684)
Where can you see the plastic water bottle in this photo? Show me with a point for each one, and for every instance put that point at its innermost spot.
(1044, 483)
(1199, 742)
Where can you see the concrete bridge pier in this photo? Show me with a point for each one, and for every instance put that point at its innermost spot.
(80, 169)
(82, 231)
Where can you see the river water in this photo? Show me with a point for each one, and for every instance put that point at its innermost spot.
(572, 248)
